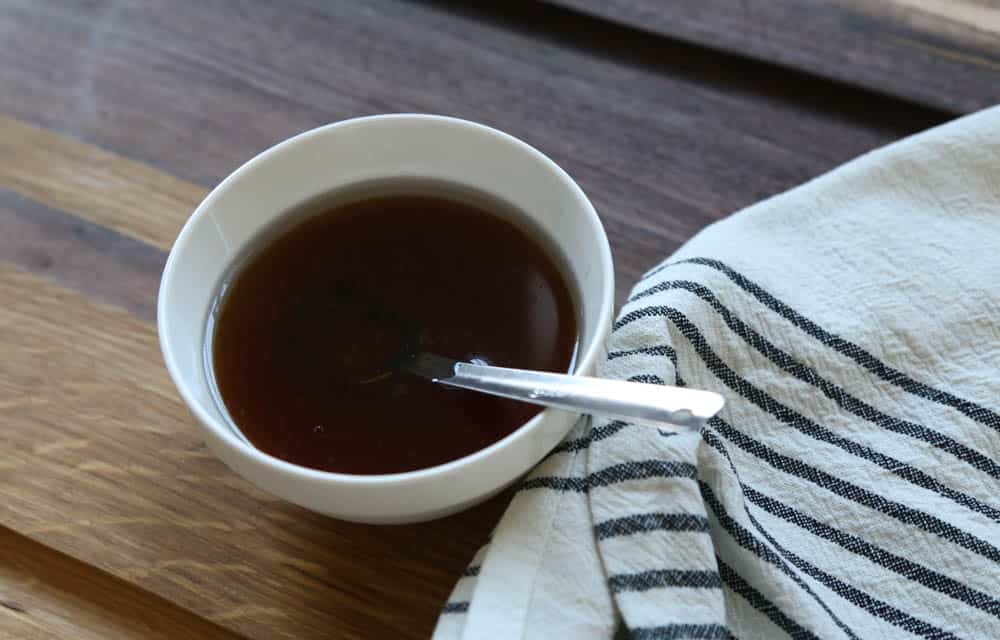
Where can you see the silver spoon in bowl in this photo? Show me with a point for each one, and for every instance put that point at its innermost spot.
(636, 402)
(365, 329)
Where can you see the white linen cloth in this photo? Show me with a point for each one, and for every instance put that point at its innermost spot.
(851, 486)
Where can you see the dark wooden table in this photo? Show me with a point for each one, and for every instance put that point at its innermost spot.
(116, 116)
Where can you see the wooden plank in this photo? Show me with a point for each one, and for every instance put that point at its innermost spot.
(46, 595)
(663, 137)
(941, 53)
(89, 258)
(99, 186)
(101, 461)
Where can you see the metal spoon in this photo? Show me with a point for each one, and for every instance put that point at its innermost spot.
(632, 401)
(370, 343)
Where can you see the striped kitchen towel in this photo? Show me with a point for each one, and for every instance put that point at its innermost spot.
(851, 486)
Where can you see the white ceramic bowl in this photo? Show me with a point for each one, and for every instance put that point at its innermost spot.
(342, 154)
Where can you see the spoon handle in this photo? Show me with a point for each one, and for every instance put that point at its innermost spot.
(632, 401)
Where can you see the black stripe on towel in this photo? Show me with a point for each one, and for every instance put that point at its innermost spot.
(681, 632)
(748, 541)
(638, 470)
(651, 522)
(801, 423)
(853, 351)
(647, 378)
(596, 434)
(556, 483)
(757, 600)
(857, 597)
(855, 493)
(874, 606)
(844, 400)
(657, 578)
(471, 572)
(657, 350)
(897, 564)
(455, 607)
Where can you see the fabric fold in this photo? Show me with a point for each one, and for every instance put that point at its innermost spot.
(851, 486)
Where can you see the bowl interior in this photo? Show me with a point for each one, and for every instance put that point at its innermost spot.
(359, 151)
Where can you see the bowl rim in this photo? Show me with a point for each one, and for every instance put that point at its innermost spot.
(251, 454)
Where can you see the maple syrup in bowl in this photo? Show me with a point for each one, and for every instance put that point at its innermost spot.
(477, 240)
(350, 279)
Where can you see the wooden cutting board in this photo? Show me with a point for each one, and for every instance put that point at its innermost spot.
(98, 457)
(101, 459)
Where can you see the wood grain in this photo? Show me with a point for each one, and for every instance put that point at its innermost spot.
(87, 257)
(116, 116)
(941, 53)
(662, 137)
(102, 462)
(102, 187)
(46, 595)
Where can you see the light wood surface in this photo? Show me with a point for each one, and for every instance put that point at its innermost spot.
(46, 595)
(117, 116)
(102, 461)
(104, 188)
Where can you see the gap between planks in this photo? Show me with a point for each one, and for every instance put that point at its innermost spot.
(86, 471)
(47, 595)
(99, 186)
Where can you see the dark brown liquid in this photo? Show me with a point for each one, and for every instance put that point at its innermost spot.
(463, 281)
